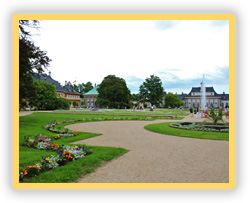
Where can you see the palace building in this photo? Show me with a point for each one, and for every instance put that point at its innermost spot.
(66, 91)
(212, 98)
(90, 97)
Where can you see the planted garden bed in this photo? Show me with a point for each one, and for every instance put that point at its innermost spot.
(201, 126)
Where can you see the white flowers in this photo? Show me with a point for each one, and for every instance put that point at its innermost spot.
(76, 151)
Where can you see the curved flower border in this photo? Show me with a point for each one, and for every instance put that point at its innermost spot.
(65, 153)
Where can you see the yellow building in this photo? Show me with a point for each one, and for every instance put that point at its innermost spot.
(66, 91)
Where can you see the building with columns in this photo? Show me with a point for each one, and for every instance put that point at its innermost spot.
(90, 97)
(212, 98)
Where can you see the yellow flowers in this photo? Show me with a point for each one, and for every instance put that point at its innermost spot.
(75, 133)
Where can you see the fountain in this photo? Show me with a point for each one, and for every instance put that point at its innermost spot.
(203, 95)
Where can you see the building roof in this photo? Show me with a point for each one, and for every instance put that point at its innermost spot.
(224, 96)
(67, 88)
(198, 89)
(182, 96)
(92, 92)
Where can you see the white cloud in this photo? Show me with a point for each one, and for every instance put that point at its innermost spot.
(91, 50)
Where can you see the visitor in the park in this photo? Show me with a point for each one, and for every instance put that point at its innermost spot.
(227, 112)
(197, 112)
(151, 108)
(191, 111)
(206, 111)
(134, 107)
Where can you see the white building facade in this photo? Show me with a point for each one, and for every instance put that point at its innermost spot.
(212, 98)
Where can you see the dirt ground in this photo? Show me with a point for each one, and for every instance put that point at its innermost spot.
(155, 158)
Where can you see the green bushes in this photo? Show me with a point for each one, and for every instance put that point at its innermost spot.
(62, 103)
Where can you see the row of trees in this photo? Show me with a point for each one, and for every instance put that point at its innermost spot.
(81, 88)
(39, 94)
(114, 93)
(31, 59)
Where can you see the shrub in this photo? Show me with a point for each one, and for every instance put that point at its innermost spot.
(62, 103)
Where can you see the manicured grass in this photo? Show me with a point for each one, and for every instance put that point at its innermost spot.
(32, 125)
(131, 112)
(76, 169)
(163, 128)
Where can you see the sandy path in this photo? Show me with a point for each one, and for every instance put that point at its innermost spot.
(26, 113)
(153, 157)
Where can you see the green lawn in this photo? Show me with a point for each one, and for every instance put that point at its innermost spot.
(131, 112)
(32, 125)
(163, 128)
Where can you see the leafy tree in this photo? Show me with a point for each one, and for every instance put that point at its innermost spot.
(31, 58)
(135, 97)
(75, 104)
(151, 90)
(82, 88)
(46, 96)
(62, 103)
(87, 87)
(172, 100)
(75, 87)
(113, 92)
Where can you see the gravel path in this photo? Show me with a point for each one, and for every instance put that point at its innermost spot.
(26, 113)
(153, 157)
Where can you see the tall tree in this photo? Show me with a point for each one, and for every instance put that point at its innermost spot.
(31, 59)
(113, 92)
(172, 100)
(152, 91)
(135, 97)
(46, 95)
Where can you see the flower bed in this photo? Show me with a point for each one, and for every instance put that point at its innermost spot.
(65, 153)
(208, 127)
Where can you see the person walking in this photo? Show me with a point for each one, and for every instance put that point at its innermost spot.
(206, 111)
(226, 112)
(197, 112)
(191, 111)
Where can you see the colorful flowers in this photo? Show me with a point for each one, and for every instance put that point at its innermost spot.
(30, 171)
(56, 137)
(74, 133)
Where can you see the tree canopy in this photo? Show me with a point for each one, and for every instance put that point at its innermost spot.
(46, 97)
(84, 88)
(152, 91)
(31, 59)
(81, 88)
(113, 92)
(135, 97)
(172, 100)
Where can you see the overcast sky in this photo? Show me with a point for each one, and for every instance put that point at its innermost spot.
(179, 52)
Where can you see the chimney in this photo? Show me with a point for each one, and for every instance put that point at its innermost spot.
(65, 82)
(49, 73)
(223, 92)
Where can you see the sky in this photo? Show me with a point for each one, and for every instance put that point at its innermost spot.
(178, 52)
